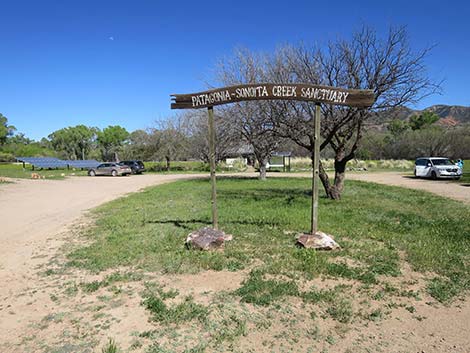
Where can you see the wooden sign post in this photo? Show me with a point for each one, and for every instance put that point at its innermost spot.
(271, 91)
(215, 216)
(316, 170)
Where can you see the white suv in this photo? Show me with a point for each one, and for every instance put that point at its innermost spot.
(436, 167)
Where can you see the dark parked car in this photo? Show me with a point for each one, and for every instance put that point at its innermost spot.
(137, 167)
(113, 169)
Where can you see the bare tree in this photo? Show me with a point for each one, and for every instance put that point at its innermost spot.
(387, 66)
(172, 136)
(198, 135)
(250, 120)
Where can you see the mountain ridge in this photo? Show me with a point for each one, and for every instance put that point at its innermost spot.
(449, 115)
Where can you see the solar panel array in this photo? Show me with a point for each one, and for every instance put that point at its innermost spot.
(85, 164)
(43, 162)
(51, 162)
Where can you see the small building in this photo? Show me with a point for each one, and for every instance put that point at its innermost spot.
(244, 152)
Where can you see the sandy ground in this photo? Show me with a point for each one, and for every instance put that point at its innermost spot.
(36, 217)
(31, 210)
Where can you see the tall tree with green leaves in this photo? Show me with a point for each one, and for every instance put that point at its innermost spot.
(74, 142)
(5, 129)
(397, 127)
(111, 140)
(423, 120)
(142, 145)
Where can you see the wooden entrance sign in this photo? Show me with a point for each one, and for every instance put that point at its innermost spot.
(272, 91)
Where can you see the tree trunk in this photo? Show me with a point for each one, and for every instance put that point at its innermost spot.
(324, 179)
(262, 169)
(334, 191)
(340, 174)
(167, 164)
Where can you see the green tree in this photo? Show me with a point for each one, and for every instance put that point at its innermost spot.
(5, 129)
(423, 120)
(74, 142)
(142, 145)
(20, 139)
(397, 127)
(111, 139)
(431, 141)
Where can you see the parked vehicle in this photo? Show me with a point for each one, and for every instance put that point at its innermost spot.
(113, 169)
(137, 167)
(436, 167)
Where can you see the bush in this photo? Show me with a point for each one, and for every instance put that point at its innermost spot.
(6, 157)
(299, 164)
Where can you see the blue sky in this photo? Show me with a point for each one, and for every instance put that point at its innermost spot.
(103, 63)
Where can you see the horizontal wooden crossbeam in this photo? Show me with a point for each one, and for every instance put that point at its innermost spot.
(271, 91)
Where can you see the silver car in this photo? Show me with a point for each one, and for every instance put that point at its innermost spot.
(436, 167)
(113, 169)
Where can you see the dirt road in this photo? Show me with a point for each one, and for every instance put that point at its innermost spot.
(34, 215)
(32, 210)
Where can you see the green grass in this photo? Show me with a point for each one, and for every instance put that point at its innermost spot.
(90, 287)
(466, 172)
(337, 305)
(110, 347)
(258, 291)
(373, 224)
(15, 170)
(187, 310)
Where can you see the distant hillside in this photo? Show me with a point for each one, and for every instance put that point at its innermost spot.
(451, 115)
(456, 112)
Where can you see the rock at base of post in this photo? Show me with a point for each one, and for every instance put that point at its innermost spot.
(207, 239)
(318, 241)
